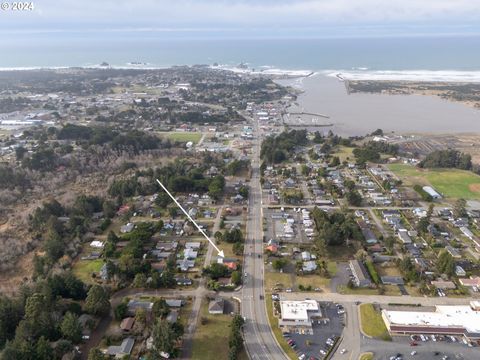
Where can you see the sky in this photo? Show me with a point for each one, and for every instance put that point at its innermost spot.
(248, 18)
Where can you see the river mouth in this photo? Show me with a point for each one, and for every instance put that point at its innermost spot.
(360, 113)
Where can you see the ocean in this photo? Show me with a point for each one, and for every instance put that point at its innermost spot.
(416, 58)
(461, 53)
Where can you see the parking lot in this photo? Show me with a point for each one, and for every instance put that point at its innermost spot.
(424, 350)
(341, 277)
(311, 345)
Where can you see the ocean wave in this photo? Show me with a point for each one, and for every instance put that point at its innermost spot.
(265, 70)
(408, 75)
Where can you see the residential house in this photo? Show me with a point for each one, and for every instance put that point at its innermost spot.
(175, 303)
(124, 349)
(127, 324)
(309, 266)
(125, 229)
(133, 305)
(216, 306)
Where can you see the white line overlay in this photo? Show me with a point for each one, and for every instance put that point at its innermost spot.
(220, 252)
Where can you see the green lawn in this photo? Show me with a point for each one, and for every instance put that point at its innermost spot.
(184, 136)
(451, 183)
(211, 339)
(372, 322)
(83, 269)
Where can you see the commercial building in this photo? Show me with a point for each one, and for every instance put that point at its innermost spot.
(298, 316)
(463, 320)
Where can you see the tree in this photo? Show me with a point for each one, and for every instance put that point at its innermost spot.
(446, 263)
(10, 315)
(163, 337)
(160, 308)
(216, 271)
(20, 151)
(279, 264)
(96, 354)
(243, 190)
(43, 350)
(354, 198)
(459, 208)
(140, 280)
(141, 316)
(121, 311)
(236, 278)
(97, 301)
(71, 328)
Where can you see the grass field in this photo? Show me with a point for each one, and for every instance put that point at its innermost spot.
(372, 322)
(83, 269)
(184, 136)
(274, 278)
(211, 340)
(344, 153)
(451, 183)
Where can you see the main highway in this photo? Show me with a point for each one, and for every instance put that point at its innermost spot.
(259, 339)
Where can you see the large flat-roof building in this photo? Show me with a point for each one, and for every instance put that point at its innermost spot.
(298, 316)
(463, 320)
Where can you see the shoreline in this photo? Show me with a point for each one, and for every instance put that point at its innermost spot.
(354, 74)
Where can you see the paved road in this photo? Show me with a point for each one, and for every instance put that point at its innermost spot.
(259, 339)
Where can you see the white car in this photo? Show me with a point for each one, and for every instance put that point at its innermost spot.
(343, 351)
(413, 353)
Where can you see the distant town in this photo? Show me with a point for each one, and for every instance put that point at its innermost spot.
(362, 247)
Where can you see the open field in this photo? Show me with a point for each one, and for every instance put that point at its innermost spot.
(183, 136)
(315, 281)
(83, 269)
(372, 322)
(451, 183)
(344, 153)
(274, 278)
(211, 339)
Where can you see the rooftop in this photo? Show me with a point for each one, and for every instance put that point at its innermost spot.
(297, 310)
(443, 316)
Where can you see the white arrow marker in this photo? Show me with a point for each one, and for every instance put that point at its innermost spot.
(220, 252)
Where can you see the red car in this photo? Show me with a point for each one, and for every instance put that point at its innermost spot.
(413, 343)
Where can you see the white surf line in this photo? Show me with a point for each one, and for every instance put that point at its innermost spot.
(220, 252)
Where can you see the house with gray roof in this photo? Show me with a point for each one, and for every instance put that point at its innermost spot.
(125, 348)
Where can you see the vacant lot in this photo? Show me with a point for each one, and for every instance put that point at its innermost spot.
(344, 153)
(184, 136)
(450, 182)
(277, 279)
(372, 322)
(211, 337)
(84, 269)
